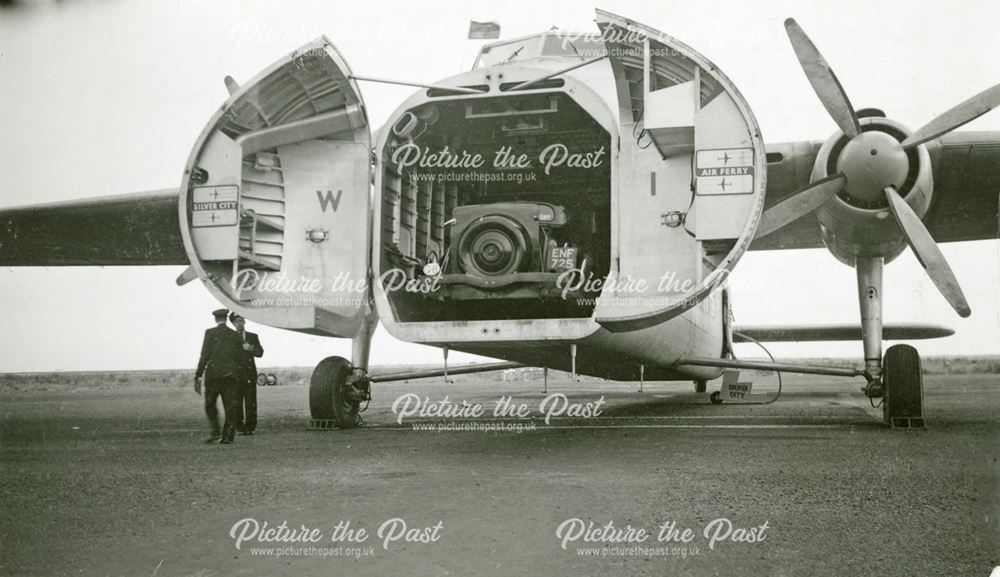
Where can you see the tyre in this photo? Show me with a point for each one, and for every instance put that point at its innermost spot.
(700, 386)
(716, 398)
(903, 405)
(328, 397)
(272, 379)
(261, 380)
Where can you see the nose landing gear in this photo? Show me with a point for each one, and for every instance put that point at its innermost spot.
(900, 387)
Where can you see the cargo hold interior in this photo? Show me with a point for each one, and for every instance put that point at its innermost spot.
(498, 237)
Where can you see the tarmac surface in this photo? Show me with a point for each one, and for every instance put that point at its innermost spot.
(117, 482)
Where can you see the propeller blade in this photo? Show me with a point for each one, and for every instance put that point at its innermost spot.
(823, 80)
(800, 204)
(927, 252)
(965, 112)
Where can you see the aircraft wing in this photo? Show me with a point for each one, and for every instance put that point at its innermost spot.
(964, 205)
(142, 228)
(790, 333)
(132, 229)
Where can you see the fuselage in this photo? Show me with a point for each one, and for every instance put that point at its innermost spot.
(525, 209)
(527, 330)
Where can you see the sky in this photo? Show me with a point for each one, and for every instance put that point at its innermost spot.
(108, 97)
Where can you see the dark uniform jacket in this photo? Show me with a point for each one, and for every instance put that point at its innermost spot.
(221, 354)
(248, 367)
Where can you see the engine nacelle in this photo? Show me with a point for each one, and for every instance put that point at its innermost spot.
(858, 222)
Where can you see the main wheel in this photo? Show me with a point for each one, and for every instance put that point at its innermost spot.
(903, 406)
(329, 393)
(700, 386)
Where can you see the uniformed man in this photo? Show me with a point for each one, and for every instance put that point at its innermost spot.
(221, 354)
(248, 375)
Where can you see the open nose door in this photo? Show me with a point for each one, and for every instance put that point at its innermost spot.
(275, 199)
(690, 178)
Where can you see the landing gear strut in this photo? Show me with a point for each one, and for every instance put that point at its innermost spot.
(896, 378)
(338, 386)
(869, 271)
(700, 386)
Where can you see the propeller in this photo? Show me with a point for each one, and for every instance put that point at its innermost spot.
(886, 165)
(823, 80)
(927, 252)
(800, 203)
(965, 112)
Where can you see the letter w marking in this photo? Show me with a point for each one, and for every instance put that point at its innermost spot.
(329, 199)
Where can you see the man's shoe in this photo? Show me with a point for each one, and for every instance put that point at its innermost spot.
(212, 438)
(225, 441)
(245, 433)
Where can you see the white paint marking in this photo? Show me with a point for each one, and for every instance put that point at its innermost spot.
(141, 431)
(696, 417)
(575, 427)
(769, 426)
